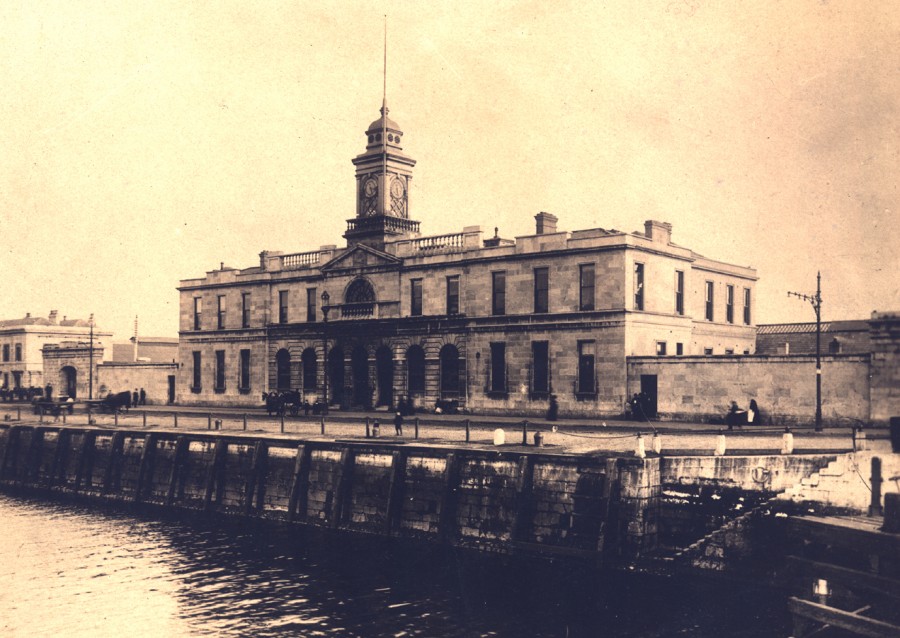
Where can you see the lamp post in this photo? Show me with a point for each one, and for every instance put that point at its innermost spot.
(91, 360)
(325, 299)
(816, 301)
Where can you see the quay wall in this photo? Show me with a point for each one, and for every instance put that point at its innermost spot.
(702, 388)
(600, 508)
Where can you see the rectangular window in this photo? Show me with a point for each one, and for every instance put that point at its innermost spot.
(729, 304)
(198, 312)
(311, 307)
(707, 351)
(747, 306)
(679, 292)
(244, 380)
(729, 351)
(498, 293)
(586, 382)
(453, 295)
(586, 287)
(542, 290)
(220, 371)
(679, 349)
(282, 306)
(540, 367)
(6, 352)
(415, 297)
(195, 387)
(660, 348)
(498, 368)
(245, 310)
(18, 352)
(709, 301)
(639, 286)
(220, 312)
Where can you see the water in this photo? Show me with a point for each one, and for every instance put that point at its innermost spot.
(67, 569)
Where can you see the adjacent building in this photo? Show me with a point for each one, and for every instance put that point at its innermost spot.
(489, 324)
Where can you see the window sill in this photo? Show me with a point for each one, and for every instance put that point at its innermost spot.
(244, 390)
(219, 390)
(196, 390)
(586, 396)
(498, 395)
(539, 395)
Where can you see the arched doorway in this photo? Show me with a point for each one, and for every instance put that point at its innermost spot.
(308, 362)
(70, 381)
(336, 375)
(415, 371)
(362, 393)
(283, 370)
(384, 372)
(449, 358)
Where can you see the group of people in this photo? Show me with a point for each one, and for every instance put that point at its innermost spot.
(736, 416)
(8, 394)
(138, 397)
(639, 407)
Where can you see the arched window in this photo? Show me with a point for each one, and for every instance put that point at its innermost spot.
(359, 291)
(308, 359)
(415, 370)
(283, 374)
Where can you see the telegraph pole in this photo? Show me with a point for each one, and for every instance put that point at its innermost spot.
(91, 360)
(816, 301)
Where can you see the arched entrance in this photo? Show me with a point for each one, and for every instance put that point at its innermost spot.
(308, 362)
(384, 372)
(449, 358)
(70, 381)
(336, 375)
(283, 370)
(362, 393)
(415, 371)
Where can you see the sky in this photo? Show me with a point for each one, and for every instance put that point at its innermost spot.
(145, 143)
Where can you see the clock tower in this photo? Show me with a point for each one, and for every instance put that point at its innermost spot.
(383, 174)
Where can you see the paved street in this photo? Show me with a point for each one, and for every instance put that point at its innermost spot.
(569, 435)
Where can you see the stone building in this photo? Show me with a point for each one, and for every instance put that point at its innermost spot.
(836, 337)
(21, 343)
(495, 325)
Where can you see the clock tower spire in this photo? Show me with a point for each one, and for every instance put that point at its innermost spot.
(383, 174)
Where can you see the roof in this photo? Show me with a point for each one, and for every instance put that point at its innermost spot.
(851, 325)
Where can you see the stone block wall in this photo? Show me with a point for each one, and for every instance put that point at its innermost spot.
(702, 388)
(885, 336)
(119, 377)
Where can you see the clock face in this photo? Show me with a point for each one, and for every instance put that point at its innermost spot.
(370, 187)
(397, 188)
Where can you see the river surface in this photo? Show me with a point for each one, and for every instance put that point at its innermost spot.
(68, 569)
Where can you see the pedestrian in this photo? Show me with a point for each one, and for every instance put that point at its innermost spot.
(398, 424)
(135, 398)
(553, 409)
(753, 413)
(143, 397)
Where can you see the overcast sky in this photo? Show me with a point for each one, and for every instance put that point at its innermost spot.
(144, 143)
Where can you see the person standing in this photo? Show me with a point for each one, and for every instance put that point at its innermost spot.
(398, 424)
(143, 397)
(134, 398)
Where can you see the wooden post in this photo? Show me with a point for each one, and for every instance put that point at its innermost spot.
(59, 458)
(282, 421)
(175, 419)
(86, 460)
(209, 421)
(12, 442)
(875, 508)
(394, 508)
(416, 422)
(253, 478)
(367, 427)
(178, 458)
(323, 425)
(525, 433)
(467, 430)
(31, 471)
(18, 413)
(524, 486)
(213, 473)
(447, 527)
(145, 418)
(145, 468)
(115, 448)
(245, 422)
(116, 417)
(299, 484)
(342, 481)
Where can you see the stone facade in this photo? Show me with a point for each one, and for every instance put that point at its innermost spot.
(21, 343)
(68, 368)
(487, 324)
(885, 328)
(155, 378)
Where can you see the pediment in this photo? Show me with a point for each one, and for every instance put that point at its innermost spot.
(361, 257)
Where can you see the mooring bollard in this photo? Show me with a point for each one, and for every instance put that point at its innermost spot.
(656, 443)
(639, 450)
(245, 423)
(539, 439)
(467, 430)
(367, 427)
(720, 444)
(524, 432)
(875, 508)
(499, 437)
(416, 423)
(787, 441)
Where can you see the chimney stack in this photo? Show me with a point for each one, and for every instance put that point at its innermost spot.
(658, 231)
(545, 223)
(52, 317)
